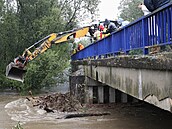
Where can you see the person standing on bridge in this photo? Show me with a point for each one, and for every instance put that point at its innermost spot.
(155, 4)
(111, 27)
(97, 34)
(80, 46)
(101, 29)
(144, 9)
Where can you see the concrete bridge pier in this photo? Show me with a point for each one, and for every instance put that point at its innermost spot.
(89, 96)
(112, 96)
(123, 98)
(100, 93)
(94, 92)
(88, 90)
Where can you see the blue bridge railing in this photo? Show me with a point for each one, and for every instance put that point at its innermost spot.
(150, 30)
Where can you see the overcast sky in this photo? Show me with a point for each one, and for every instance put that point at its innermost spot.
(108, 9)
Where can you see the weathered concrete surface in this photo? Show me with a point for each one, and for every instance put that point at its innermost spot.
(112, 95)
(154, 62)
(100, 94)
(77, 83)
(139, 83)
(77, 87)
(141, 77)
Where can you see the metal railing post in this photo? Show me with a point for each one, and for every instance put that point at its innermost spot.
(145, 49)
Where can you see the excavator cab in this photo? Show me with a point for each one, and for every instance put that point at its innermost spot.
(15, 72)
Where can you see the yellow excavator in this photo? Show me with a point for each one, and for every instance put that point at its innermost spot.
(17, 69)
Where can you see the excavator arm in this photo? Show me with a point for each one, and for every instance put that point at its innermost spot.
(17, 69)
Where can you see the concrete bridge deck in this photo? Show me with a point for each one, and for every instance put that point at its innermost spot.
(147, 78)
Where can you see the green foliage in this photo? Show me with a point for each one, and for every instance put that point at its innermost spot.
(1, 7)
(129, 9)
(29, 21)
(18, 126)
(42, 72)
(136, 52)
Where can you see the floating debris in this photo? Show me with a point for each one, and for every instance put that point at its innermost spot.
(56, 102)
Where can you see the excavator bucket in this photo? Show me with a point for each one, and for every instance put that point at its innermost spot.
(14, 72)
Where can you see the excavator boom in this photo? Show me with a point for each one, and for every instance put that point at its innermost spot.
(16, 70)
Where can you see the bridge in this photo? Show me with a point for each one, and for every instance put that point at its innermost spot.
(131, 61)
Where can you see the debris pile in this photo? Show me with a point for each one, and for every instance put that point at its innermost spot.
(57, 101)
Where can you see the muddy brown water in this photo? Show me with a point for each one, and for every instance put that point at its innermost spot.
(123, 116)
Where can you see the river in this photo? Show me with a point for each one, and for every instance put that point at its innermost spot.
(14, 108)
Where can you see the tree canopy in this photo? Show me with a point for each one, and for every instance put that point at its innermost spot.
(129, 9)
(23, 22)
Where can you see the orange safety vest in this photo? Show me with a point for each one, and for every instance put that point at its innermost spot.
(80, 46)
